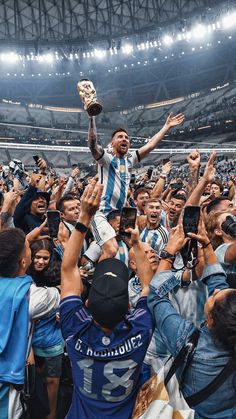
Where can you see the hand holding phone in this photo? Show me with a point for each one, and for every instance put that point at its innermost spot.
(127, 220)
(191, 219)
(54, 219)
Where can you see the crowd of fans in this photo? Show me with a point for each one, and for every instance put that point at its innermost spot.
(90, 312)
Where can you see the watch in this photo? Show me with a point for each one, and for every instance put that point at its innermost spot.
(166, 255)
(81, 227)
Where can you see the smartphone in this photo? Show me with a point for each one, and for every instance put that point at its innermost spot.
(132, 179)
(36, 159)
(178, 185)
(149, 173)
(127, 219)
(191, 219)
(54, 219)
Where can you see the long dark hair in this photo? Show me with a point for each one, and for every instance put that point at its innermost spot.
(224, 321)
(36, 246)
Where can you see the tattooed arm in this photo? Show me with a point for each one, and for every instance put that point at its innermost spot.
(8, 207)
(96, 149)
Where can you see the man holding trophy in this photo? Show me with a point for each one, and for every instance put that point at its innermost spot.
(114, 166)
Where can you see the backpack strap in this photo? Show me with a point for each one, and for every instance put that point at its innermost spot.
(184, 356)
(207, 391)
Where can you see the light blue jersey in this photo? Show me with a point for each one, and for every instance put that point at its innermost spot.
(123, 252)
(156, 238)
(114, 174)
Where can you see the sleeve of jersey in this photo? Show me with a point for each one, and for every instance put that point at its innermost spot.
(105, 159)
(135, 157)
(142, 315)
(74, 317)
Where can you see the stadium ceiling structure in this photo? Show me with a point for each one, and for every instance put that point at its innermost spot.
(72, 29)
(80, 22)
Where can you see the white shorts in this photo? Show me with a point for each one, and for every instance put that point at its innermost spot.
(102, 230)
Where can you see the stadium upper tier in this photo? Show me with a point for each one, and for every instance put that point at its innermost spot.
(210, 122)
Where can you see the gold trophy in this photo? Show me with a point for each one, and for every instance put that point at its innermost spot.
(88, 96)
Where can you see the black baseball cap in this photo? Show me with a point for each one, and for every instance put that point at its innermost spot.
(46, 195)
(108, 298)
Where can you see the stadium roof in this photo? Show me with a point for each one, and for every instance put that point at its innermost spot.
(57, 21)
(74, 30)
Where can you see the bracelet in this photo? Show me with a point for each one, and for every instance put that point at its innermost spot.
(163, 176)
(81, 227)
(204, 246)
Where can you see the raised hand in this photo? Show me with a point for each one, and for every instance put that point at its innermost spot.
(177, 240)
(194, 159)
(210, 171)
(90, 200)
(10, 198)
(134, 235)
(173, 121)
(42, 165)
(38, 232)
(35, 179)
(201, 236)
(166, 168)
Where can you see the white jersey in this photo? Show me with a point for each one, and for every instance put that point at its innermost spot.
(156, 238)
(114, 174)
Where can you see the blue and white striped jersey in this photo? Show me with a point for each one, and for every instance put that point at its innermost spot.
(123, 252)
(114, 174)
(156, 238)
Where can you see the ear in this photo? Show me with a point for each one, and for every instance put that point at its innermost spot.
(86, 303)
(218, 232)
(209, 321)
(22, 266)
(132, 265)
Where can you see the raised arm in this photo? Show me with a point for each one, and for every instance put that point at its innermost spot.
(172, 121)
(213, 274)
(194, 164)
(159, 186)
(208, 176)
(144, 269)
(96, 149)
(70, 275)
(173, 329)
(9, 204)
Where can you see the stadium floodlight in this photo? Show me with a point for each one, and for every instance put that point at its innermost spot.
(48, 58)
(167, 40)
(188, 35)
(199, 31)
(229, 20)
(127, 49)
(9, 57)
(99, 53)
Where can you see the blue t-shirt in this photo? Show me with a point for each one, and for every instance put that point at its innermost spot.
(106, 367)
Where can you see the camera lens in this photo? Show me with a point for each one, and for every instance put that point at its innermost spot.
(229, 226)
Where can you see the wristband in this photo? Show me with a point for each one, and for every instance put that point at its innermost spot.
(166, 255)
(163, 176)
(206, 245)
(81, 227)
